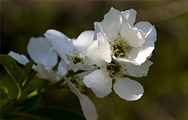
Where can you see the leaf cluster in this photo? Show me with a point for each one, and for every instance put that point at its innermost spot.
(21, 94)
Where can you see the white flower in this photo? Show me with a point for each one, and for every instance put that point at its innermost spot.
(100, 81)
(41, 53)
(123, 40)
(71, 51)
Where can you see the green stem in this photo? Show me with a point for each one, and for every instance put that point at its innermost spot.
(19, 91)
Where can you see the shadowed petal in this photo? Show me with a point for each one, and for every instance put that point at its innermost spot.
(124, 60)
(130, 16)
(61, 71)
(22, 59)
(74, 89)
(128, 89)
(60, 43)
(97, 26)
(137, 70)
(83, 41)
(41, 51)
(93, 55)
(100, 83)
(132, 36)
(45, 72)
(87, 105)
(111, 24)
(149, 30)
(104, 48)
(139, 55)
(88, 108)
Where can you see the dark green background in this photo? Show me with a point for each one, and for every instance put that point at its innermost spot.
(166, 86)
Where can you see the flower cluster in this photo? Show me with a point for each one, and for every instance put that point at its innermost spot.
(116, 49)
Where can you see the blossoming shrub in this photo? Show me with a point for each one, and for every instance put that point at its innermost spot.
(100, 59)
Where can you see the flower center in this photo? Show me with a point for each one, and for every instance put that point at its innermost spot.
(77, 81)
(76, 57)
(76, 60)
(113, 68)
(119, 49)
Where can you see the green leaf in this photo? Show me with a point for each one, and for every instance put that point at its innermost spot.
(28, 104)
(28, 79)
(28, 67)
(7, 82)
(34, 84)
(3, 92)
(12, 68)
(53, 113)
(3, 103)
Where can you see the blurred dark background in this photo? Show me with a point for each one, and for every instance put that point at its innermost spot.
(166, 86)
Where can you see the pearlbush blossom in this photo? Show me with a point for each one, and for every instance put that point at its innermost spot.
(124, 40)
(102, 59)
(46, 58)
(120, 49)
(72, 53)
(100, 81)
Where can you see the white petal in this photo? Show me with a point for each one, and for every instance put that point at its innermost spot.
(22, 59)
(41, 51)
(133, 36)
(60, 43)
(128, 89)
(92, 54)
(137, 70)
(111, 24)
(80, 66)
(97, 26)
(148, 29)
(139, 55)
(83, 41)
(130, 16)
(74, 89)
(45, 72)
(88, 108)
(61, 71)
(100, 83)
(83, 74)
(104, 48)
(124, 60)
(87, 105)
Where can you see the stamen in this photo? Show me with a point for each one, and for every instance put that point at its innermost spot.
(76, 60)
(119, 48)
(113, 68)
(77, 81)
